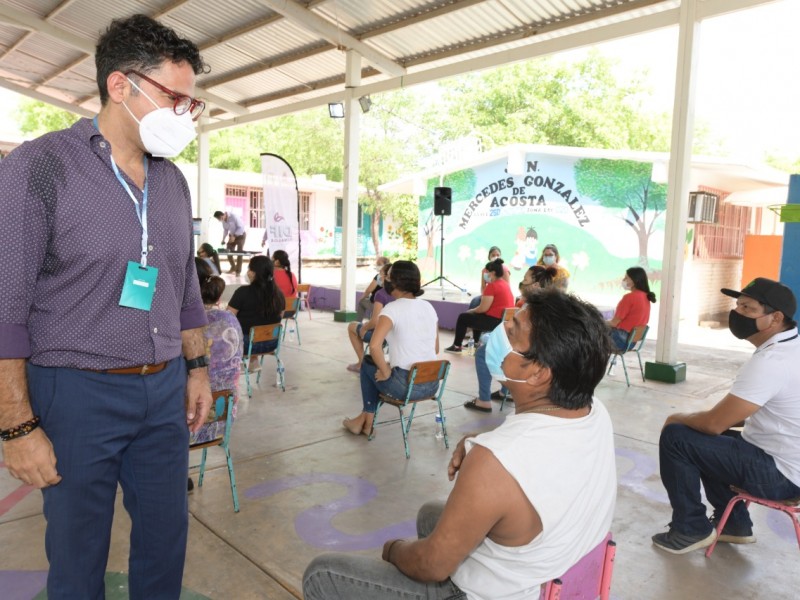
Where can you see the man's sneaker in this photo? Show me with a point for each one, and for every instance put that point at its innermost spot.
(453, 349)
(678, 543)
(735, 535)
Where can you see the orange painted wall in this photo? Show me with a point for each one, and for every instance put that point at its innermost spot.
(762, 257)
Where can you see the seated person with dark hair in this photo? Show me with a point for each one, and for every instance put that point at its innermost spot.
(487, 315)
(513, 519)
(361, 333)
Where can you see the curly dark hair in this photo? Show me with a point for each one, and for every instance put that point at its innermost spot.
(142, 44)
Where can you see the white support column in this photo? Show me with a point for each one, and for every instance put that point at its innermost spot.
(666, 367)
(352, 122)
(203, 206)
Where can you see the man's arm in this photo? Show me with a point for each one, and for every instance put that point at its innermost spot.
(29, 458)
(198, 388)
(482, 498)
(728, 412)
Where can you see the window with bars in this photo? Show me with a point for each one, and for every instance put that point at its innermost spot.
(305, 212)
(257, 215)
(724, 239)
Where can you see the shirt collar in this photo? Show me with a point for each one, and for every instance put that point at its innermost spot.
(779, 337)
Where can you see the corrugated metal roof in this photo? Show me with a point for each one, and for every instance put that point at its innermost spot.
(262, 60)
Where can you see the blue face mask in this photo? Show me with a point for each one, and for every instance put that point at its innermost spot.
(549, 260)
(497, 348)
(487, 278)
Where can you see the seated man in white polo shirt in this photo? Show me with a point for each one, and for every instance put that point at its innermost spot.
(764, 459)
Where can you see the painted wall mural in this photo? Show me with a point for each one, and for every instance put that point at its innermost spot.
(604, 215)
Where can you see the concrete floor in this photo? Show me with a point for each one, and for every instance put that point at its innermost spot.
(307, 486)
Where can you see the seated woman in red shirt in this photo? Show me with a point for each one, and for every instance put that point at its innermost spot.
(488, 314)
(284, 278)
(634, 308)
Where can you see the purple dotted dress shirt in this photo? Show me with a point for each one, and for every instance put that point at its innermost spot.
(69, 232)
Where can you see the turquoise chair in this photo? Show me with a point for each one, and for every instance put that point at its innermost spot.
(421, 372)
(264, 333)
(222, 414)
(291, 312)
(635, 342)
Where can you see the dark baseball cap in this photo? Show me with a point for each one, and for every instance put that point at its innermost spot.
(772, 293)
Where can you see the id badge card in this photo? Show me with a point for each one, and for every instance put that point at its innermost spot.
(139, 286)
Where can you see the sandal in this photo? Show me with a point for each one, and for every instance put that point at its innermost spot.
(472, 406)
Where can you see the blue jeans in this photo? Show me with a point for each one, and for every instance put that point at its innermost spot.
(484, 377)
(105, 429)
(620, 338)
(335, 576)
(396, 386)
(688, 457)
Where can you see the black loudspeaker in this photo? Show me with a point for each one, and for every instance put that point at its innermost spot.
(442, 201)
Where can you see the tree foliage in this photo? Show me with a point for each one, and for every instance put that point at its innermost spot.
(627, 185)
(544, 101)
(36, 118)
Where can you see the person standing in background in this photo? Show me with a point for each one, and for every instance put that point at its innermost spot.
(234, 230)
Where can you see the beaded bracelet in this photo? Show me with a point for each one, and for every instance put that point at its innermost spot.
(20, 430)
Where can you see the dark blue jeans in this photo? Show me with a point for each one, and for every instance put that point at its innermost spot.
(396, 386)
(688, 457)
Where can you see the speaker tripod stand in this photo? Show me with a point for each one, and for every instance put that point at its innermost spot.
(441, 278)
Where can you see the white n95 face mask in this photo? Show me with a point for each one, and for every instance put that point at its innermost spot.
(164, 133)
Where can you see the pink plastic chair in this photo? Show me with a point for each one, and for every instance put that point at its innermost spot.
(587, 579)
(790, 507)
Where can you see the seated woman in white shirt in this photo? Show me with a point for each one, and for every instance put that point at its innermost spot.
(411, 327)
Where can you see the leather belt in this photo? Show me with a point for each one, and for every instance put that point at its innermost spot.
(140, 370)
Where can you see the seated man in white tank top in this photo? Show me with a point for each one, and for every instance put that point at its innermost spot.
(532, 497)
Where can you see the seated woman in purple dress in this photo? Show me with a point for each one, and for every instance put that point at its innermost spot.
(224, 335)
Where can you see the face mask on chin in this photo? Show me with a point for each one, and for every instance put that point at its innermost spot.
(163, 133)
(742, 327)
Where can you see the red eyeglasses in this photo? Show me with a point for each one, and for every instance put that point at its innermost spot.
(181, 103)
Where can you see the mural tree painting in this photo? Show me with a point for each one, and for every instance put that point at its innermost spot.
(625, 184)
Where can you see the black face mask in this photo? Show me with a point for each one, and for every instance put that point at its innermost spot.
(388, 286)
(742, 327)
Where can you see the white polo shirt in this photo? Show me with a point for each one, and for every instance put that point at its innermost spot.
(771, 379)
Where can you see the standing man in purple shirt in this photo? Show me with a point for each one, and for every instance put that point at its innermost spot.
(233, 228)
(102, 357)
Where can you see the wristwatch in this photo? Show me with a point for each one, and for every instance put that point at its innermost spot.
(197, 363)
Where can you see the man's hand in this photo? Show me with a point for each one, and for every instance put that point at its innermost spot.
(31, 459)
(198, 398)
(458, 457)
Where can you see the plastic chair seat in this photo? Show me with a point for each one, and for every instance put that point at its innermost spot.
(790, 507)
(420, 373)
(587, 579)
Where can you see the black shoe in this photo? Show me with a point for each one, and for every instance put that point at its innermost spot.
(735, 535)
(470, 404)
(498, 396)
(453, 349)
(678, 543)
(190, 485)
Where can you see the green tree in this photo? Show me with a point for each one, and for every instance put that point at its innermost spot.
(625, 184)
(37, 118)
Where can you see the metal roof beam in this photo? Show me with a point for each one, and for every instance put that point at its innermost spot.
(313, 22)
(37, 25)
(45, 98)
